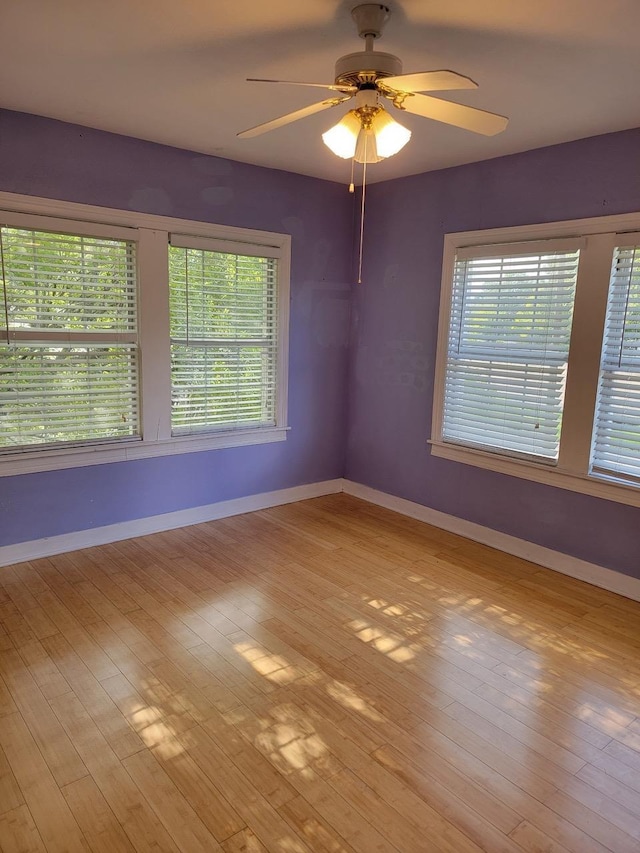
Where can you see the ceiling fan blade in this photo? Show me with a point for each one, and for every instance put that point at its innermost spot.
(289, 117)
(333, 86)
(469, 118)
(429, 81)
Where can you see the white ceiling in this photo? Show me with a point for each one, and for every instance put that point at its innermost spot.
(173, 71)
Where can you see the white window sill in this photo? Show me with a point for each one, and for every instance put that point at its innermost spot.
(606, 488)
(32, 461)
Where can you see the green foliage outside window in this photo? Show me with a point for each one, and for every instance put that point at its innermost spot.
(223, 334)
(64, 376)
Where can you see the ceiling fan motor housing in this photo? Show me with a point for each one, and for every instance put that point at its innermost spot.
(366, 66)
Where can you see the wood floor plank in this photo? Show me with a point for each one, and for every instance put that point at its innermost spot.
(115, 728)
(522, 743)
(7, 705)
(319, 833)
(598, 827)
(462, 801)
(44, 671)
(10, 793)
(99, 824)
(250, 803)
(172, 809)
(534, 840)
(344, 817)
(244, 841)
(150, 712)
(212, 807)
(18, 832)
(78, 636)
(321, 677)
(603, 805)
(131, 808)
(57, 749)
(61, 600)
(606, 714)
(613, 787)
(51, 814)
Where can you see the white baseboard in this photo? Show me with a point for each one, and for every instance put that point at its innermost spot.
(36, 548)
(567, 565)
(572, 566)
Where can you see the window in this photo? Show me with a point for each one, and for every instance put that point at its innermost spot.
(126, 335)
(538, 359)
(69, 339)
(616, 440)
(508, 348)
(224, 338)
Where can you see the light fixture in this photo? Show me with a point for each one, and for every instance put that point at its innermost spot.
(367, 134)
(342, 137)
(390, 136)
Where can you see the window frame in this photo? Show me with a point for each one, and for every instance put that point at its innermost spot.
(182, 241)
(535, 357)
(81, 337)
(601, 470)
(151, 234)
(572, 471)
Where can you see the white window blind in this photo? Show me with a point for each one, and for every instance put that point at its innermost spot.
(68, 339)
(616, 436)
(508, 346)
(224, 339)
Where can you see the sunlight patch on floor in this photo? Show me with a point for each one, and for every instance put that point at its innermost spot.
(271, 666)
(349, 699)
(392, 646)
(148, 721)
(286, 736)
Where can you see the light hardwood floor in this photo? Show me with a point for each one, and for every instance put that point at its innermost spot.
(325, 676)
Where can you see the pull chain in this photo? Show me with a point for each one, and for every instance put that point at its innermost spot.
(364, 189)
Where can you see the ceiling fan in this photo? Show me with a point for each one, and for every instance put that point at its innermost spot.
(367, 133)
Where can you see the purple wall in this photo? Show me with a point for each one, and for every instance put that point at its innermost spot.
(395, 318)
(47, 158)
(387, 399)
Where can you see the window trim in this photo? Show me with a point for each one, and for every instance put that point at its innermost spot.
(151, 233)
(571, 472)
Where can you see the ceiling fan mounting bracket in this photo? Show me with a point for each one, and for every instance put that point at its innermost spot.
(370, 19)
